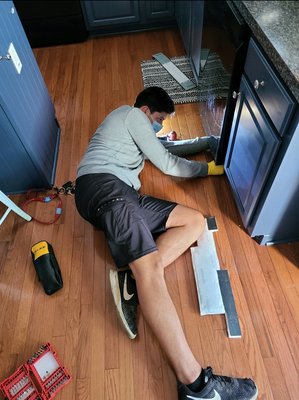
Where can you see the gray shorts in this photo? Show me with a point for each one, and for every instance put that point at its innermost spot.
(129, 220)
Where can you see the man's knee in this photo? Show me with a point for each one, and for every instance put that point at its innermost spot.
(196, 224)
(182, 215)
(148, 265)
(198, 221)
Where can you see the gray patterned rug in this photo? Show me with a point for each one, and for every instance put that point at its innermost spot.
(213, 82)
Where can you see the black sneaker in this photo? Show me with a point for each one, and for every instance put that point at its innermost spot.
(124, 293)
(220, 388)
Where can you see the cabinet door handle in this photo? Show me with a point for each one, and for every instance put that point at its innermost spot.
(236, 94)
(257, 84)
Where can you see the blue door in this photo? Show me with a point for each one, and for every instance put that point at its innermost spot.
(27, 117)
(251, 151)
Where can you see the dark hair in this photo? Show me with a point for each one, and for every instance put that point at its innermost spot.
(156, 99)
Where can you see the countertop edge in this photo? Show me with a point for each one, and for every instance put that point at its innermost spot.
(282, 68)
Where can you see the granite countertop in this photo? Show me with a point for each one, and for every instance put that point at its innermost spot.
(275, 26)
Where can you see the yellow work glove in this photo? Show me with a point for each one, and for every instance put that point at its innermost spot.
(214, 169)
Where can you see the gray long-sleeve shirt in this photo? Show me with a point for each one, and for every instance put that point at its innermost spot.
(121, 144)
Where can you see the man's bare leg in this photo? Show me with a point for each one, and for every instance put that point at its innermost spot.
(184, 225)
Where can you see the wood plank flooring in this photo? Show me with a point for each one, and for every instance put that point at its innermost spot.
(86, 81)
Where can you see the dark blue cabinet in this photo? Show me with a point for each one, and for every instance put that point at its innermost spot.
(103, 13)
(276, 219)
(29, 135)
(109, 17)
(252, 149)
(262, 158)
(269, 89)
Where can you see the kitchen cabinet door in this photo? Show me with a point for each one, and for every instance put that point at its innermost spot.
(103, 13)
(30, 133)
(110, 17)
(189, 16)
(18, 170)
(251, 151)
(276, 219)
(158, 9)
(197, 10)
(183, 17)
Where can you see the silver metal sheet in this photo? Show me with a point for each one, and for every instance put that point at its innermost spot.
(174, 71)
(205, 265)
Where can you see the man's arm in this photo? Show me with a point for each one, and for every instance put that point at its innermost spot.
(144, 137)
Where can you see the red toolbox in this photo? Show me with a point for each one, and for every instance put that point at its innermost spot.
(39, 379)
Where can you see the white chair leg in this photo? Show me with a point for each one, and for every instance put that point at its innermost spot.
(11, 206)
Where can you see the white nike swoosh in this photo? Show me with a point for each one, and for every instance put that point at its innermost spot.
(127, 296)
(216, 397)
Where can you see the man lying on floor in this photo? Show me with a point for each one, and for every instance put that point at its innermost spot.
(107, 196)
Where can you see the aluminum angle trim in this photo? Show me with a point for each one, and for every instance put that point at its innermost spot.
(205, 266)
(174, 71)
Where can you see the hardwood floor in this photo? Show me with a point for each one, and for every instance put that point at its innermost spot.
(86, 81)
